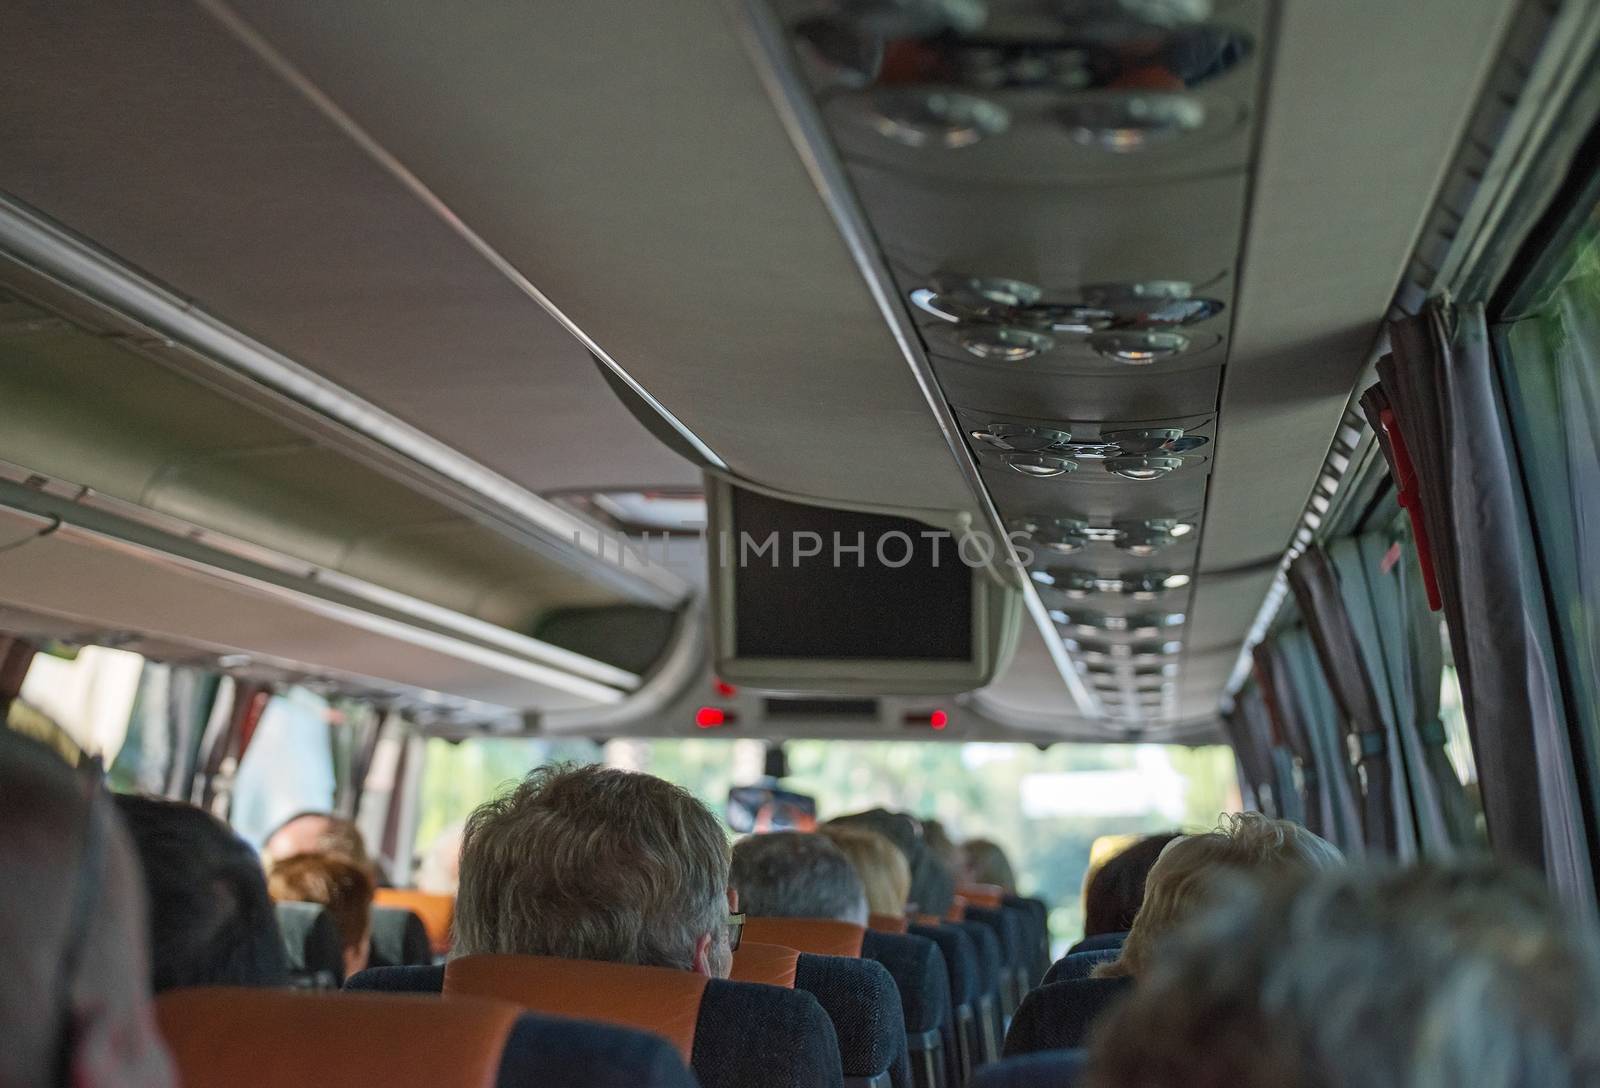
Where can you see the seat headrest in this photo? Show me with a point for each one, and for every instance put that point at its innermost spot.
(312, 942)
(228, 1037)
(819, 936)
(436, 911)
(991, 896)
(660, 1000)
(768, 964)
(958, 909)
(888, 923)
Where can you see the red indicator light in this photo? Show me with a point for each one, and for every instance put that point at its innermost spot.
(938, 719)
(709, 717)
(724, 689)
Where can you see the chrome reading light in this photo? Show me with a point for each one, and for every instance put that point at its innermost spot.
(936, 118)
(1136, 348)
(1021, 437)
(1143, 469)
(1157, 13)
(1062, 536)
(1146, 538)
(1158, 304)
(1039, 465)
(1127, 122)
(1003, 343)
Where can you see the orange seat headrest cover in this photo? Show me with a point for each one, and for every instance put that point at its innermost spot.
(988, 896)
(436, 911)
(768, 964)
(819, 936)
(889, 923)
(958, 909)
(237, 1037)
(660, 1000)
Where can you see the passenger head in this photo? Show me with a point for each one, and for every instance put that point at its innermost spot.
(932, 885)
(341, 886)
(983, 862)
(879, 864)
(211, 920)
(1185, 877)
(598, 864)
(1115, 891)
(74, 978)
(796, 874)
(1466, 976)
(317, 833)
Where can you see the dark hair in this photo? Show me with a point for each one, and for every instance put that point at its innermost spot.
(1116, 890)
(211, 920)
(339, 884)
(796, 874)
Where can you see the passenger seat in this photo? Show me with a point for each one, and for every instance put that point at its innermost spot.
(399, 938)
(1079, 964)
(991, 972)
(224, 1037)
(436, 911)
(1047, 1069)
(1059, 1016)
(312, 943)
(920, 974)
(961, 963)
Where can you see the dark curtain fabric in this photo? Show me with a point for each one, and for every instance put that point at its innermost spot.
(1245, 727)
(1447, 409)
(1309, 691)
(1282, 708)
(1316, 589)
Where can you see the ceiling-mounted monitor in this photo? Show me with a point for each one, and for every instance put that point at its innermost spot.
(809, 598)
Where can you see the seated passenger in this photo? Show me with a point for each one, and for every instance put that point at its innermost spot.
(600, 864)
(211, 920)
(1115, 891)
(1468, 976)
(341, 886)
(932, 885)
(74, 980)
(1186, 874)
(796, 874)
(984, 862)
(318, 833)
(881, 867)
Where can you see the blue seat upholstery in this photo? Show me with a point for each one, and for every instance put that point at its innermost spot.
(398, 938)
(545, 1052)
(961, 962)
(863, 1002)
(312, 943)
(1036, 933)
(1007, 926)
(1098, 942)
(1079, 964)
(1060, 1015)
(1047, 1069)
(747, 1034)
(991, 1021)
(919, 972)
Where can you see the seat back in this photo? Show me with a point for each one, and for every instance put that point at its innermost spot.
(1059, 1016)
(1098, 941)
(436, 911)
(982, 895)
(425, 978)
(660, 1000)
(312, 943)
(1007, 929)
(924, 984)
(818, 936)
(1079, 964)
(888, 923)
(991, 1019)
(862, 1001)
(399, 938)
(768, 964)
(1036, 930)
(225, 1037)
(1047, 1069)
(960, 961)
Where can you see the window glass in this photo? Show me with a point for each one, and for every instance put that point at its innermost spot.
(288, 767)
(1551, 365)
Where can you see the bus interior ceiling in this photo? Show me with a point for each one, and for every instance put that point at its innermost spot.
(316, 318)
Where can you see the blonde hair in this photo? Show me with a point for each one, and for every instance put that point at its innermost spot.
(883, 869)
(987, 864)
(1184, 876)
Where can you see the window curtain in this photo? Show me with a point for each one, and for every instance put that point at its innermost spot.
(1309, 691)
(1287, 723)
(1444, 405)
(1316, 589)
(1245, 725)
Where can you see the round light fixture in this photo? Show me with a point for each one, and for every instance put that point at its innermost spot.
(1125, 123)
(1136, 348)
(1137, 440)
(936, 118)
(1152, 304)
(1039, 465)
(1069, 317)
(1021, 437)
(1146, 538)
(984, 291)
(1061, 535)
(1143, 469)
(1003, 343)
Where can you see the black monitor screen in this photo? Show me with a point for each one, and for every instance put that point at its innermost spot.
(815, 582)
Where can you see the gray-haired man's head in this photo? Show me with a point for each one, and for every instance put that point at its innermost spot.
(794, 874)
